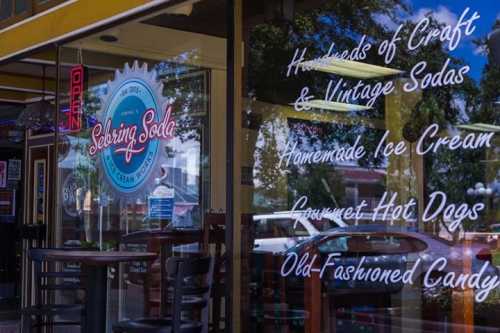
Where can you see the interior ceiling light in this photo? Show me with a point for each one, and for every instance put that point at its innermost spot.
(333, 106)
(480, 127)
(349, 68)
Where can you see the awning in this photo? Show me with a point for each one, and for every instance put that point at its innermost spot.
(64, 21)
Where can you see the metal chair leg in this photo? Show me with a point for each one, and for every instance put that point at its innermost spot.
(26, 324)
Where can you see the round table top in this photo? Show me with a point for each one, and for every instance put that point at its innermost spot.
(174, 235)
(99, 257)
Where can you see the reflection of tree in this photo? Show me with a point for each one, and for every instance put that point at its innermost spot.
(84, 168)
(271, 48)
(270, 178)
(186, 87)
(325, 180)
(488, 110)
(272, 44)
(454, 172)
(91, 106)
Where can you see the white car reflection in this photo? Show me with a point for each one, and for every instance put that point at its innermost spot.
(277, 232)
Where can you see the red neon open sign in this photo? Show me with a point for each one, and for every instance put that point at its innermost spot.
(76, 89)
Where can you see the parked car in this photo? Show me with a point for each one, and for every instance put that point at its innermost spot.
(391, 248)
(495, 228)
(276, 233)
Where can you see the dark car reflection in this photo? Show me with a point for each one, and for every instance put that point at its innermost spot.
(385, 247)
(393, 248)
(373, 246)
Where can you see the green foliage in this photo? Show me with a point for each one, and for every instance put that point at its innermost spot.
(271, 48)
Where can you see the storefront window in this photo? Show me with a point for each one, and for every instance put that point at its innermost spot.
(136, 140)
(370, 166)
(106, 186)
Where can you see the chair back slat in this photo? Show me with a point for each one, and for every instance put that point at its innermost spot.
(193, 280)
(44, 308)
(194, 267)
(45, 278)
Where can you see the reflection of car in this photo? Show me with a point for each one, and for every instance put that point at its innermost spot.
(390, 319)
(390, 249)
(495, 227)
(278, 232)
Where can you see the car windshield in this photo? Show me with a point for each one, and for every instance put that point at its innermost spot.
(324, 224)
(372, 244)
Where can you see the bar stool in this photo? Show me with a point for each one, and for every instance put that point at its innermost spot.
(188, 282)
(42, 312)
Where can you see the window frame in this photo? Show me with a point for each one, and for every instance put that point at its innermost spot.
(33, 8)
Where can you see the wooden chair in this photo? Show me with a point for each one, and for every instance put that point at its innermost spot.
(189, 282)
(46, 282)
(146, 278)
(214, 239)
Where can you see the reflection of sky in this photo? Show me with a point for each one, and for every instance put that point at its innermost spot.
(448, 12)
(77, 157)
(187, 157)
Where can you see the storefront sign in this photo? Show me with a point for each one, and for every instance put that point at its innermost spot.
(135, 122)
(380, 259)
(387, 209)
(161, 208)
(76, 90)
(292, 155)
(483, 281)
(420, 78)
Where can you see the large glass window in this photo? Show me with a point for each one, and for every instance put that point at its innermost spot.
(140, 105)
(370, 165)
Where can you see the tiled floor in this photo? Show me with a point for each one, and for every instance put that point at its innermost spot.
(9, 326)
(13, 327)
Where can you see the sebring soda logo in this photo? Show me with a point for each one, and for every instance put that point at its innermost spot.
(135, 122)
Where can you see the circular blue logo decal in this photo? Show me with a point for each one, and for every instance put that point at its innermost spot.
(129, 136)
(126, 109)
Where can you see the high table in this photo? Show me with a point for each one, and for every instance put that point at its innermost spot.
(95, 264)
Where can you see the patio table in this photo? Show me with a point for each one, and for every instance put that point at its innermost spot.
(95, 264)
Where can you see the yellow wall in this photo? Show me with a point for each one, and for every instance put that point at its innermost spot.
(63, 21)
